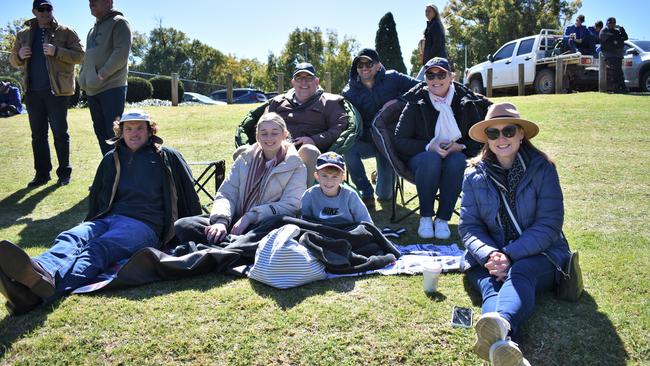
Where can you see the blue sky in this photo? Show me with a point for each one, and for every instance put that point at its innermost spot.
(254, 28)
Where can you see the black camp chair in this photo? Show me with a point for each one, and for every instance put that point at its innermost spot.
(212, 171)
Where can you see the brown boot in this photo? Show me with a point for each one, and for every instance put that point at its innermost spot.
(18, 266)
(19, 299)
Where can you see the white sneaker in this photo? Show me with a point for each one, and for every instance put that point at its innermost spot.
(490, 328)
(507, 353)
(442, 228)
(425, 230)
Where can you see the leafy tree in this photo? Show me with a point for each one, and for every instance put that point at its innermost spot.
(168, 52)
(416, 61)
(485, 25)
(338, 59)
(387, 44)
(301, 42)
(7, 39)
(139, 47)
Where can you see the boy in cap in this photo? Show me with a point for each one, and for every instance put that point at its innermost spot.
(330, 201)
(139, 190)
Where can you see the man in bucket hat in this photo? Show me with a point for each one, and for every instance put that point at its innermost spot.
(139, 190)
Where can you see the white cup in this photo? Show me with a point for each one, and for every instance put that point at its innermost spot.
(431, 272)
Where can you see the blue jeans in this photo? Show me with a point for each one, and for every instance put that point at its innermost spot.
(385, 174)
(433, 173)
(82, 253)
(105, 107)
(47, 110)
(514, 298)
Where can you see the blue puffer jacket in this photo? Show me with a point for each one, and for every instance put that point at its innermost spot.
(388, 85)
(540, 213)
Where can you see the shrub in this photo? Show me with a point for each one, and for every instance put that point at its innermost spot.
(15, 83)
(139, 89)
(162, 88)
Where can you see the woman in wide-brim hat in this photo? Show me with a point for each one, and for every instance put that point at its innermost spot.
(511, 219)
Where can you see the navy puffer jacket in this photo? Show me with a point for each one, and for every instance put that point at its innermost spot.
(388, 85)
(539, 209)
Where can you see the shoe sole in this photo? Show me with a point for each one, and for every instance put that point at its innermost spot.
(16, 264)
(487, 333)
(507, 355)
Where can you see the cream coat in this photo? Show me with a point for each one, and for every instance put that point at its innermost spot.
(281, 191)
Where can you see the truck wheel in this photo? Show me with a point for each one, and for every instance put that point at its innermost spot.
(545, 82)
(644, 83)
(476, 86)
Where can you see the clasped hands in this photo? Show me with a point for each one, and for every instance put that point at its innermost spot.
(216, 233)
(498, 265)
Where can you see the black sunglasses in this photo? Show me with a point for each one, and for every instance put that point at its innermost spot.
(43, 9)
(507, 132)
(436, 75)
(365, 65)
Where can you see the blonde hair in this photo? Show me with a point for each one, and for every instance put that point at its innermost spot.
(273, 118)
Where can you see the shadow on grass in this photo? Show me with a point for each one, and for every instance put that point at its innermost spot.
(13, 328)
(42, 232)
(13, 208)
(288, 298)
(566, 333)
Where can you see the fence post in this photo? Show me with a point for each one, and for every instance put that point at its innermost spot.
(559, 76)
(328, 82)
(229, 88)
(280, 83)
(174, 89)
(602, 74)
(489, 83)
(521, 80)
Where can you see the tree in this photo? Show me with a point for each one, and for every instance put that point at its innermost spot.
(416, 61)
(168, 52)
(387, 44)
(139, 47)
(7, 39)
(301, 42)
(485, 25)
(337, 59)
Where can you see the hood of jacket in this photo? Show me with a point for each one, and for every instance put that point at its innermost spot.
(111, 14)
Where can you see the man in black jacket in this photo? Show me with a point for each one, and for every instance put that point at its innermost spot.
(139, 190)
(612, 40)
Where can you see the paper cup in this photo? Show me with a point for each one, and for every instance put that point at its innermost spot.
(430, 273)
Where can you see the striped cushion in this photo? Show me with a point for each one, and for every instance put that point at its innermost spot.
(282, 262)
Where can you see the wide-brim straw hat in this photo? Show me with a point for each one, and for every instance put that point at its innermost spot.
(502, 113)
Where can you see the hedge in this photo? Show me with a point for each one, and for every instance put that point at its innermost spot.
(139, 89)
(162, 88)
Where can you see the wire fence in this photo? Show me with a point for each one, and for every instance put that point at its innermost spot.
(194, 86)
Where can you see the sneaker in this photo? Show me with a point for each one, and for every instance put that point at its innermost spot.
(490, 328)
(425, 230)
(507, 353)
(442, 229)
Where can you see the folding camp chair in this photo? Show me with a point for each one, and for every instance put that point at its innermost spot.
(213, 171)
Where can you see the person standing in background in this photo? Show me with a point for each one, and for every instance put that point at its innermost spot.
(103, 75)
(48, 52)
(612, 40)
(434, 35)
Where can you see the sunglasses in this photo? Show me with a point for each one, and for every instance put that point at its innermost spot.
(507, 132)
(43, 9)
(365, 65)
(436, 75)
(301, 79)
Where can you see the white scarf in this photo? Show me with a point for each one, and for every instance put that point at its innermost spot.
(446, 126)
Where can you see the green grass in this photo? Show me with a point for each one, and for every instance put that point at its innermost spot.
(600, 142)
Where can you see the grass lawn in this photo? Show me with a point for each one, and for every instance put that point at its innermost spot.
(601, 144)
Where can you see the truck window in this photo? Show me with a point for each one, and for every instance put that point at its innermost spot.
(505, 52)
(526, 46)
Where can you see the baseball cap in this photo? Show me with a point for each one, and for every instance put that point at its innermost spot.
(368, 53)
(438, 62)
(38, 3)
(304, 67)
(330, 159)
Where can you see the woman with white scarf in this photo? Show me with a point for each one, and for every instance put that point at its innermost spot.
(432, 137)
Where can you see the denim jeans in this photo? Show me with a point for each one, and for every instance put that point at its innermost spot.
(82, 253)
(514, 298)
(45, 109)
(105, 107)
(385, 174)
(433, 173)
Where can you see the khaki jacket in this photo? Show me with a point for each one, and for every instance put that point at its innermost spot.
(281, 191)
(60, 67)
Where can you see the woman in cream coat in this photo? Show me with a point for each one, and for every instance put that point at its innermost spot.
(266, 179)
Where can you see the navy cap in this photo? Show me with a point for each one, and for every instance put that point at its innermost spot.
(38, 3)
(304, 67)
(368, 53)
(330, 159)
(438, 62)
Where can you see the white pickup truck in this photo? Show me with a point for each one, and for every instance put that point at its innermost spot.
(538, 54)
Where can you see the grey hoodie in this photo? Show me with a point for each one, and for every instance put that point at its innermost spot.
(107, 53)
